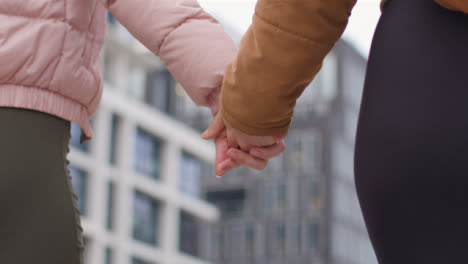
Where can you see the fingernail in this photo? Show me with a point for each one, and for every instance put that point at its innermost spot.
(256, 153)
(232, 154)
(219, 172)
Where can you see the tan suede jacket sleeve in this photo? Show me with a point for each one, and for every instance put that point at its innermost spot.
(457, 5)
(279, 56)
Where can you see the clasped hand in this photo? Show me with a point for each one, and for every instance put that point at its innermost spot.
(235, 148)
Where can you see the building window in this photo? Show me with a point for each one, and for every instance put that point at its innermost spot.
(75, 139)
(294, 239)
(302, 155)
(313, 235)
(235, 241)
(115, 122)
(313, 190)
(281, 238)
(309, 156)
(136, 260)
(109, 256)
(216, 242)
(189, 234)
(147, 154)
(110, 206)
(281, 197)
(230, 203)
(190, 175)
(160, 92)
(145, 218)
(79, 182)
(296, 155)
(250, 237)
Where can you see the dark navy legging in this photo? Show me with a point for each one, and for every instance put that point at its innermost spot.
(411, 159)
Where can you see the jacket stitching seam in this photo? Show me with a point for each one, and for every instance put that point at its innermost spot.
(296, 35)
(63, 45)
(88, 28)
(184, 21)
(89, 66)
(92, 36)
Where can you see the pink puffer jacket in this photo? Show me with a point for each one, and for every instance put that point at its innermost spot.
(49, 51)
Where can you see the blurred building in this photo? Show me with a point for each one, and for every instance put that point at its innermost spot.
(138, 180)
(303, 208)
(143, 180)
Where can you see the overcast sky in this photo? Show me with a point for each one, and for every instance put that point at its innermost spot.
(359, 32)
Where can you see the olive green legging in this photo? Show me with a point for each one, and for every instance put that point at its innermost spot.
(39, 216)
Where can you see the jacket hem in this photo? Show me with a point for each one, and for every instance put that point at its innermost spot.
(48, 102)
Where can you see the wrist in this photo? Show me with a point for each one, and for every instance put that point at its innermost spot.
(213, 101)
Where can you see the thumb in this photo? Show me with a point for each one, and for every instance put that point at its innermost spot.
(215, 127)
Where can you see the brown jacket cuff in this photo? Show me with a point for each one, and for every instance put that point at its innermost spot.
(252, 129)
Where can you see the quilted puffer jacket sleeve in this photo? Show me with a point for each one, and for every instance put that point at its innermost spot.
(279, 56)
(458, 5)
(193, 45)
